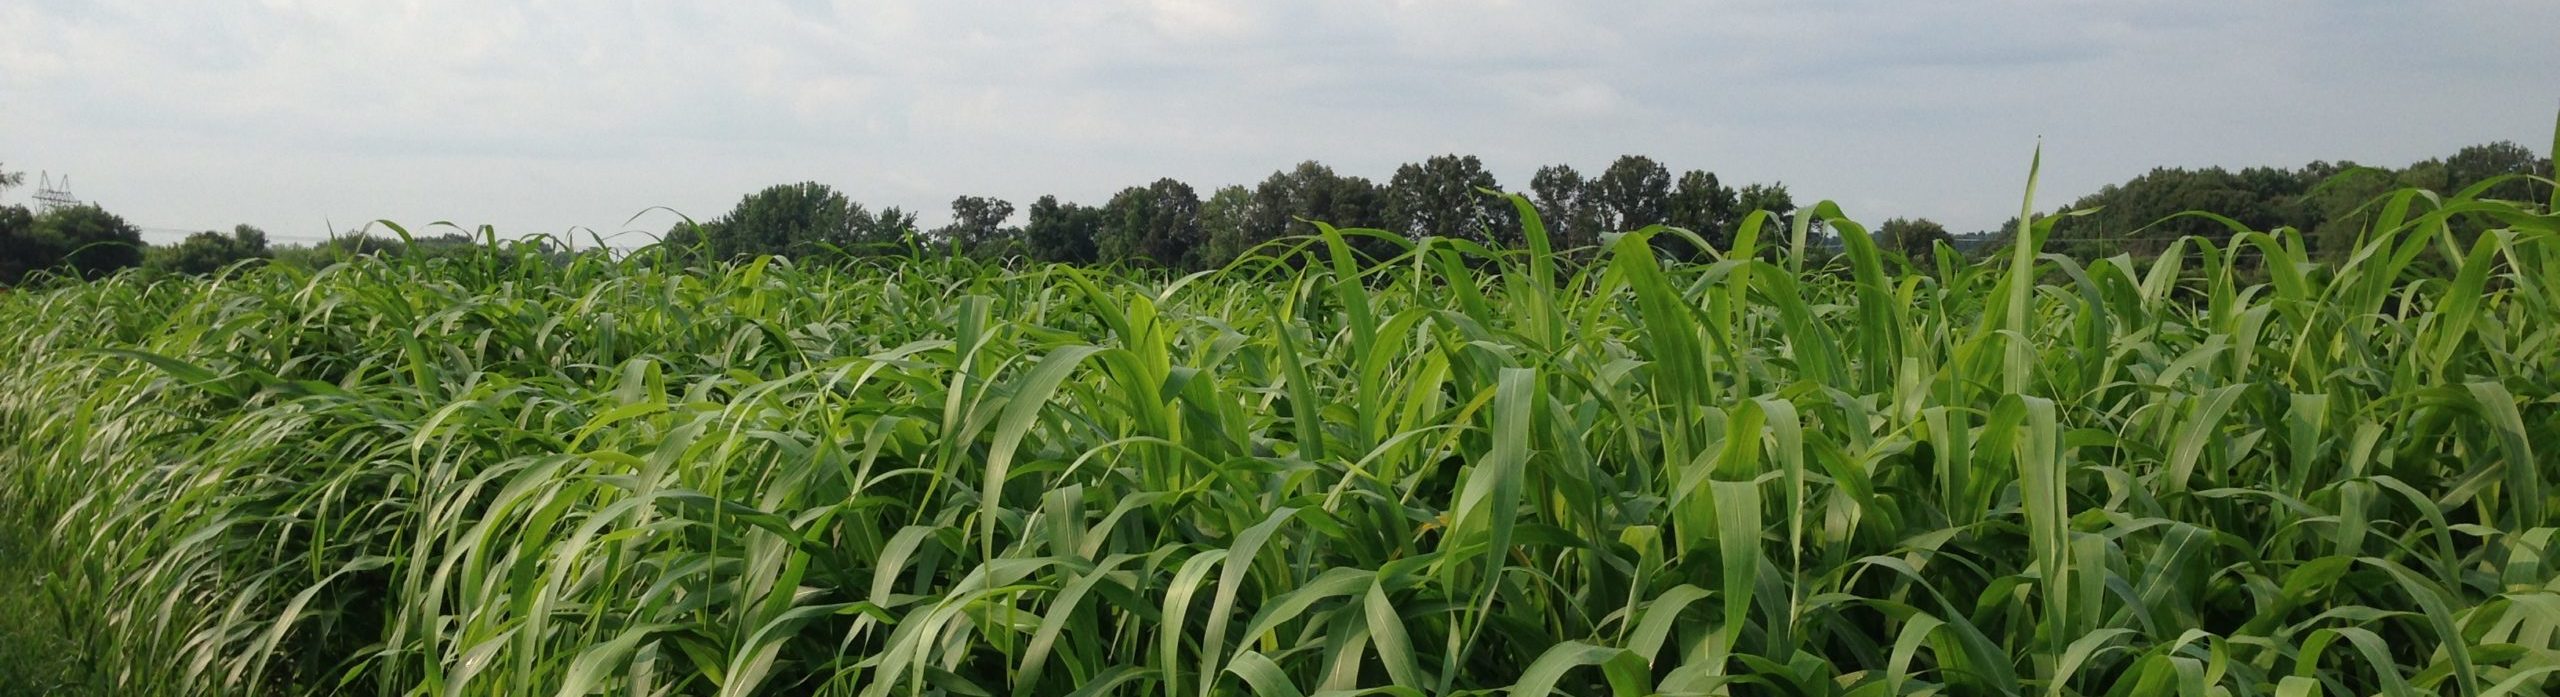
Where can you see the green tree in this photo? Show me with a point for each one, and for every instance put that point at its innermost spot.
(1633, 192)
(1774, 199)
(85, 239)
(1703, 205)
(2429, 174)
(1357, 202)
(209, 251)
(11, 180)
(2330, 202)
(1313, 192)
(1912, 237)
(2334, 209)
(1154, 225)
(1443, 197)
(22, 251)
(1563, 199)
(2479, 163)
(1062, 232)
(1223, 222)
(801, 220)
(684, 235)
(978, 228)
(888, 231)
(2136, 216)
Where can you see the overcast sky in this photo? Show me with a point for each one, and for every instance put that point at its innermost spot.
(541, 116)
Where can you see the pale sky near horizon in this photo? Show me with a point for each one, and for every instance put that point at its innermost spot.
(538, 117)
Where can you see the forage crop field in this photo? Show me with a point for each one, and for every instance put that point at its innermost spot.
(2238, 468)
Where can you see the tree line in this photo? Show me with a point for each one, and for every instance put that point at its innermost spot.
(2329, 202)
(1169, 224)
(87, 242)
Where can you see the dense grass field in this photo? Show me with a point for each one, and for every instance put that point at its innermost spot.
(2226, 470)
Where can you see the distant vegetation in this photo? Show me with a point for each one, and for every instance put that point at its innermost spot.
(81, 241)
(2330, 202)
(1169, 224)
(797, 220)
(87, 242)
(207, 252)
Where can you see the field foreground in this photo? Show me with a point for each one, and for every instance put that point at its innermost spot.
(2230, 469)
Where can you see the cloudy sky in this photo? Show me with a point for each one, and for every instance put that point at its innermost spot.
(543, 116)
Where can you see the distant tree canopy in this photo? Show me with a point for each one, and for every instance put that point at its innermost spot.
(1153, 225)
(1062, 232)
(1912, 237)
(207, 252)
(1702, 204)
(1444, 197)
(2480, 163)
(1772, 198)
(86, 241)
(1565, 204)
(1287, 203)
(1169, 224)
(21, 251)
(977, 226)
(802, 220)
(2326, 201)
(1635, 191)
(1223, 221)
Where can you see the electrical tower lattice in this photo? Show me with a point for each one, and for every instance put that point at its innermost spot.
(53, 195)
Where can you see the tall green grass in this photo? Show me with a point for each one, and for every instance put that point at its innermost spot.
(1460, 470)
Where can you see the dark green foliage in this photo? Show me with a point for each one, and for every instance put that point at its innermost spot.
(1912, 238)
(209, 251)
(1444, 197)
(1312, 191)
(1225, 221)
(2480, 163)
(1774, 199)
(2134, 216)
(21, 251)
(1633, 192)
(86, 241)
(804, 220)
(1564, 201)
(1704, 205)
(977, 228)
(1155, 225)
(2330, 202)
(94, 242)
(1167, 224)
(1062, 232)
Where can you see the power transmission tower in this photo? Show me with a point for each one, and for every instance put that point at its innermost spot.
(54, 195)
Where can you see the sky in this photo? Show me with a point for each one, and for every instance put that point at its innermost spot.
(550, 117)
